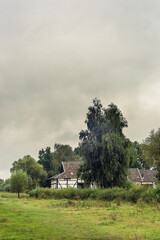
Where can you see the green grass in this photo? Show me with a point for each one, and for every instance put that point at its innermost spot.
(34, 219)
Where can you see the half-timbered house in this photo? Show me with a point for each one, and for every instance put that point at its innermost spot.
(67, 178)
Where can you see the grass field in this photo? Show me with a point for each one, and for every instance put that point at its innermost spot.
(27, 218)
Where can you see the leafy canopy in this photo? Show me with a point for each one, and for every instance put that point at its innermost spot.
(19, 182)
(51, 161)
(34, 170)
(104, 147)
(151, 151)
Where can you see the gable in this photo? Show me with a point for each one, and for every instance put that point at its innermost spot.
(136, 175)
(68, 170)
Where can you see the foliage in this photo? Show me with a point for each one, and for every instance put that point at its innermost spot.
(127, 184)
(5, 185)
(19, 182)
(62, 153)
(151, 151)
(51, 161)
(136, 160)
(45, 158)
(34, 170)
(105, 149)
(1, 181)
(135, 193)
(132, 194)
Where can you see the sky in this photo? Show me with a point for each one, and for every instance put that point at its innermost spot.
(57, 55)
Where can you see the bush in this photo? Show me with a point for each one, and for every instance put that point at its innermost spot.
(157, 193)
(149, 195)
(135, 193)
(127, 185)
(111, 194)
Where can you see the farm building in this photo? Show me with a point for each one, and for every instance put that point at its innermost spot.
(67, 177)
(142, 177)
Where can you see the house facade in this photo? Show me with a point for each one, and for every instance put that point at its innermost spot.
(67, 177)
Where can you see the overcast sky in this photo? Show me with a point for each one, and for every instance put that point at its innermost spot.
(57, 55)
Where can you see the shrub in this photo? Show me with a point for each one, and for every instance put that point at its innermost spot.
(157, 193)
(135, 193)
(111, 194)
(148, 195)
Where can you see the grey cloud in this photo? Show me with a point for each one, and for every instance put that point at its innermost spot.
(56, 56)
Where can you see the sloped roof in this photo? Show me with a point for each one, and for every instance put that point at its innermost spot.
(69, 170)
(136, 175)
(149, 175)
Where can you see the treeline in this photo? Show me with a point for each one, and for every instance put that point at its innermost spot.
(5, 185)
(38, 172)
(106, 153)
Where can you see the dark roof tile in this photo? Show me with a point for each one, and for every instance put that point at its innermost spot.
(69, 170)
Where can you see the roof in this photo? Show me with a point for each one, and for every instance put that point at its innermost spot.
(69, 170)
(136, 175)
(149, 175)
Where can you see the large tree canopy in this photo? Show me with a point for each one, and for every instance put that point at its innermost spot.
(34, 170)
(104, 147)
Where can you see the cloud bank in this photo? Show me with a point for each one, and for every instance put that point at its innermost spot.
(56, 56)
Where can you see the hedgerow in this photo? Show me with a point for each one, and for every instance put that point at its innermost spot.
(147, 194)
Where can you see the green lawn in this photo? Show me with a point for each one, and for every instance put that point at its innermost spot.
(28, 218)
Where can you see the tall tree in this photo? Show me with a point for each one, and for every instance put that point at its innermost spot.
(34, 170)
(104, 146)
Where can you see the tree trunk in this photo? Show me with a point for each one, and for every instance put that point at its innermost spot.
(18, 195)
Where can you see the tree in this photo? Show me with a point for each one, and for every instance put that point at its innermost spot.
(5, 185)
(45, 158)
(136, 160)
(151, 151)
(51, 161)
(34, 170)
(19, 182)
(104, 147)
(1, 181)
(1, 185)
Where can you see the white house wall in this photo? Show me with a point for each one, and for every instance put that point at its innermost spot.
(65, 183)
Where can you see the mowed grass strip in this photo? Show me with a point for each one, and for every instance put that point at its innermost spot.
(28, 218)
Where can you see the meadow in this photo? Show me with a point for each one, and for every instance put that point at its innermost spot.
(65, 219)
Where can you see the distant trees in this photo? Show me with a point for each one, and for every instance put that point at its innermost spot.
(45, 158)
(35, 173)
(19, 182)
(5, 185)
(105, 149)
(51, 161)
(106, 152)
(151, 151)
